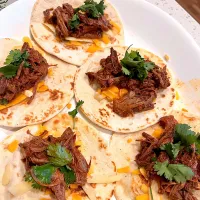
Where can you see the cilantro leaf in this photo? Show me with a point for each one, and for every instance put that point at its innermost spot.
(74, 22)
(171, 149)
(174, 172)
(92, 8)
(134, 66)
(9, 71)
(3, 101)
(186, 136)
(44, 173)
(34, 184)
(74, 112)
(69, 174)
(13, 61)
(126, 71)
(58, 155)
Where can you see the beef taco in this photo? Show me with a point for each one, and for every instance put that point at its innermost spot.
(161, 162)
(34, 86)
(72, 30)
(125, 90)
(45, 162)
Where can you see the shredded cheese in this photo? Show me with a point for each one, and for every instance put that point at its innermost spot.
(136, 172)
(116, 27)
(177, 96)
(105, 38)
(158, 132)
(76, 197)
(93, 48)
(28, 40)
(12, 147)
(142, 197)
(124, 169)
(144, 188)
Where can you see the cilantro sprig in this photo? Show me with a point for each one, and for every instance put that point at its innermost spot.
(74, 112)
(59, 159)
(92, 8)
(134, 66)
(13, 61)
(174, 172)
(186, 136)
(74, 22)
(58, 155)
(34, 184)
(172, 149)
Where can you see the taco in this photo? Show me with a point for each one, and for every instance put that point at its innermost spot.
(72, 30)
(55, 161)
(127, 95)
(161, 162)
(34, 86)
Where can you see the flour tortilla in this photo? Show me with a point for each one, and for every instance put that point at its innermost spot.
(42, 108)
(46, 38)
(124, 149)
(100, 112)
(92, 147)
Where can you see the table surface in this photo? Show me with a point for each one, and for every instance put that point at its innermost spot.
(169, 6)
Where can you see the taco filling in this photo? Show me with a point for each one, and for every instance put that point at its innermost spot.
(54, 163)
(87, 21)
(23, 70)
(131, 84)
(172, 159)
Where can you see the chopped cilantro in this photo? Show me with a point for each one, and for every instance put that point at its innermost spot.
(34, 184)
(3, 101)
(58, 155)
(74, 22)
(174, 172)
(69, 174)
(172, 149)
(44, 173)
(13, 61)
(154, 159)
(186, 136)
(92, 8)
(134, 66)
(74, 112)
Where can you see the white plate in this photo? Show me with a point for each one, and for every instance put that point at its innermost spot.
(145, 26)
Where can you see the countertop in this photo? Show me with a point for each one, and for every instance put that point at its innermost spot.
(169, 6)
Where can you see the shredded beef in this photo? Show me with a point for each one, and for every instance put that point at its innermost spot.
(35, 153)
(88, 27)
(25, 78)
(141, 95)
(149, 149)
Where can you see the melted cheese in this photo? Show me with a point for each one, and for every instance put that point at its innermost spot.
(19, 98)
(93, 48)
(116, 27)
(28, 40)
(124, 169)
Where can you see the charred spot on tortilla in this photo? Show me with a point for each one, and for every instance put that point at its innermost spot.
(131, 84)
(23, 70)
(54, 162)
(86, 21)
(171, 159)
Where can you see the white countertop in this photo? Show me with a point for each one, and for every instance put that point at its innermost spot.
(173, 9)
(182, 16)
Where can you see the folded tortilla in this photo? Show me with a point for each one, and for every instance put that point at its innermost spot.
(100, 112)
(124, 149)
(92, 147)
(42, 108)
(44, 34)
